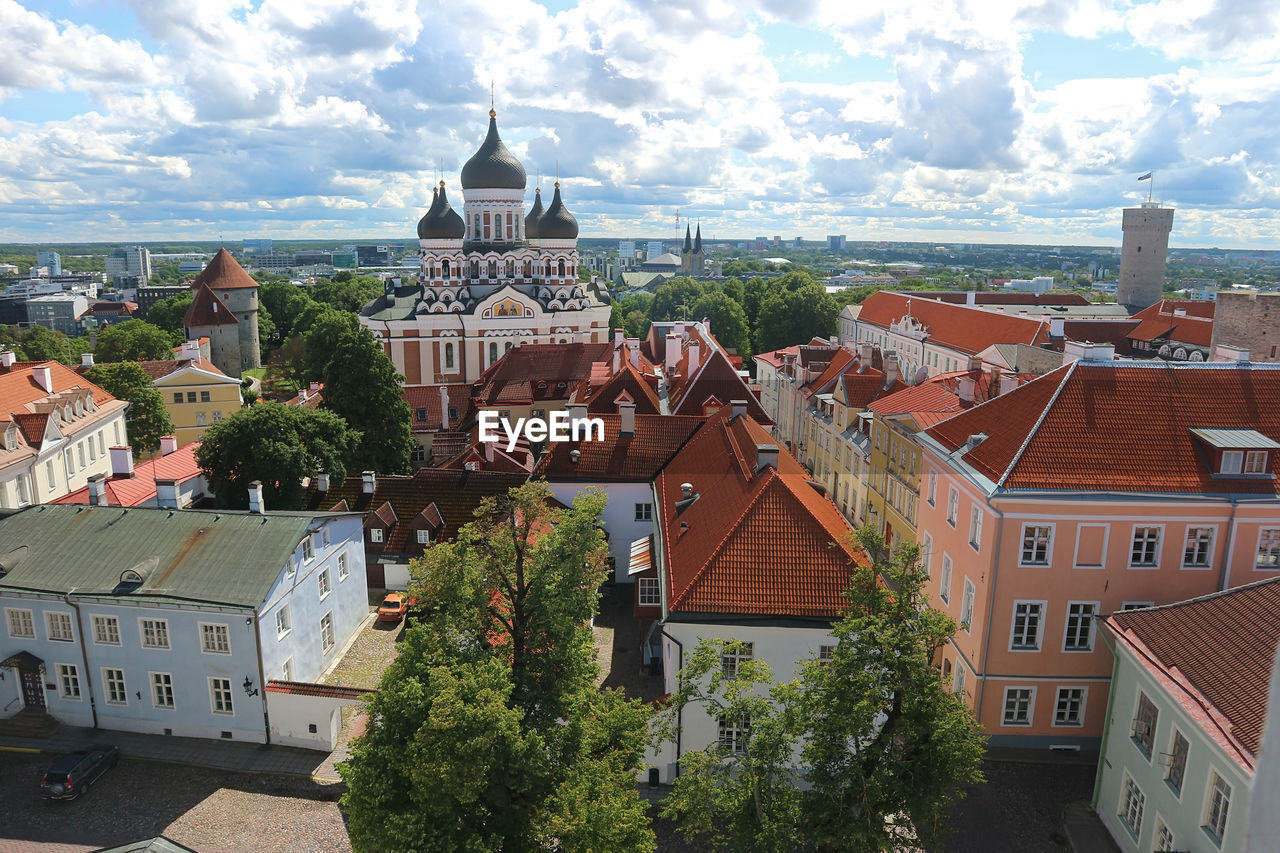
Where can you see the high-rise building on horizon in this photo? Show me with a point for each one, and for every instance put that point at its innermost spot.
(1142, 255)
(835, 242)
(129, 262)
(50, 260)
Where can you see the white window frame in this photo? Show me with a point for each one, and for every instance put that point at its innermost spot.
(1134, 605)
(1148, 739)
(110, 682)
(731, 659)
(1128, 788)
(308, 549)
(975, 528)
(733, 733)
(324, 536)
(1208, 823)
(1269, 560)
(66, 620)
(933, 488)
(1232, 462)
(160, 680)
(283, 625)
(13, 614)
(375, 534)
(1048, 537)
(1106, 542)
(1159, 546)
(424, 536)
(967, 604)
(1163, 840)
(221, 685)
(944, 578)
(163, 630)
(324, 583)
(1084, 705)
(958, 678)
(103, 626)
(1255, 462)
(328, 637)
(286, 669)
(343, 568)
(1031, 707)
(826, 651)
(953, 506)
(1207, 565)
(648, 592)
(1091, 629)
(1174, 736)
(68, 682)
(204, 638)
(1036, 609)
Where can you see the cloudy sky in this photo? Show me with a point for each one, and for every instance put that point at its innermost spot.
(953, 120)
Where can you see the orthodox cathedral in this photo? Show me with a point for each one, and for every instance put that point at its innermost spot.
(491, 278)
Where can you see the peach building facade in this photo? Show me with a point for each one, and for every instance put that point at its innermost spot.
(1098, 487)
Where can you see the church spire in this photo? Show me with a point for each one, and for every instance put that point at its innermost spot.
(688, 239)
(697, 241)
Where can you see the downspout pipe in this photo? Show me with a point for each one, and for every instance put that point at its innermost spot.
(680, 710)
(262, 682)
(84, 656)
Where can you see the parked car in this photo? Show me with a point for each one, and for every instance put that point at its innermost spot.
(394, 606)
(72, 775)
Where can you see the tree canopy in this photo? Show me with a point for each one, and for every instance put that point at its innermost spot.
(793, 310)
(361, 386)
(495, 692)
(146, 420)
(169, 314)
(134, 340)
(278, 445)
(40, 343)
(884, 746)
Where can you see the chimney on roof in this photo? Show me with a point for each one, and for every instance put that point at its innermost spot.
(975, 364)
(168, 444)
(672, 352)
(98, 490)
(1085, 351)
(737, 408)
(833, 340)
(633, 349)
(86, 359)
(314, 387)
(971, 297)
(618, 338)
(617, 359)
(43, 377)
(7, 358)
(322, 482)
(890, 368)
(695, 355)
(868, 352)
(706, 324)
(255, 497)
(766, 456)
(627, 417)
(444, 407)
(1227, 352)
(1007, 383)
(577, 412)
(368, 480)
(190, 351)
(679, 329)
(686, 491)
(1057, 327)
(967, 385)
(122, 461)
(167, 495)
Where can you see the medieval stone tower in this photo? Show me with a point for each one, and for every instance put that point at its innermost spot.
(1142, 255)
(225, 311)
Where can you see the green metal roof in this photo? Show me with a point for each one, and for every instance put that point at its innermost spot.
(1230, 438)
(193, 556)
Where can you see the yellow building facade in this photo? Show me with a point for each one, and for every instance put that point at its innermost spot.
(196, 394)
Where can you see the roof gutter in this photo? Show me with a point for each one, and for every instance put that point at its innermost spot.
(662, 629)
(262, 681)
(84, 655)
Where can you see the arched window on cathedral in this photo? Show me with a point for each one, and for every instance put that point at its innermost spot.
(448, 356)
(493, 269)
(444, 269)
(561, 266)
(528, 269)
(511, 269)
(475, 269)
(493, 351)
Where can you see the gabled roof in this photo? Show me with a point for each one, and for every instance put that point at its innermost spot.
(425, 400)
(1218, 648)
(532, 372)
(208, 309)
(179, 465)
(762, 543)
(936, 399)
(1123, 426)
(958, 327)
(223, 273)
(1162, 322)
(630, 382)
(456, 495)
(636, 458)
(230, 558)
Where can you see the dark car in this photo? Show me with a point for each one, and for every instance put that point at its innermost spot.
(72, 775)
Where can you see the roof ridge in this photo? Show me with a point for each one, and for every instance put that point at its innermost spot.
(1199, 598)
(1044, 413)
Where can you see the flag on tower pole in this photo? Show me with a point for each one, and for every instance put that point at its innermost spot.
(1145, 177)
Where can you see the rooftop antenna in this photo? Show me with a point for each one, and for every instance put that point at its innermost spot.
(490, 95)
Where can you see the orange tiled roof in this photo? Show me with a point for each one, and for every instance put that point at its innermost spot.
(19, 390)
(1160, 322)
(224, 273)
(424, 405)
(1121, 426)
(207, 309)
(308, 688)
(758, 543)
(179, 465)
(1221, 646)
(532, 372)
(617, 457)
(958, 327)
(629, 381)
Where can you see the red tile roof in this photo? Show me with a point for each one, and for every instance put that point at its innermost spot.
(758, 543)
(1218, 648)
(535, 372)
(690, 391)
(208, 309)
(19, 391)
(1114, 332)
(958, 327)
(987, 297)
(630, 382)
(938, 398)
(424, 400)
(224, 273)
(179, 465)
(1160, 322)
(308, 688)
(1122, 426)
(778, 356)
(636, 458)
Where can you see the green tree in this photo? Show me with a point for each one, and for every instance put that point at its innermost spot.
(347, 292)
(287, 367)
(285, 302)
(324, 329)
(728, 320)
(496, 693)
(278, 445)
(146, 420)
(361, 386)
(885, 748)
(134, 340)
(169, 314)
(673, 299)
(41, 343)
(793, 316)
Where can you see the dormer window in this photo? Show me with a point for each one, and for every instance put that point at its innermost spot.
(375, 534)
(1237, 452)
(1255, 462)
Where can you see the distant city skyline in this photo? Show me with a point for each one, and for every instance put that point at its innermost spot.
(1026, 123)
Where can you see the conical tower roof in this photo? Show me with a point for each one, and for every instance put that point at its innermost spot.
(444, 223)
(557, 223)
(493, 166)
(688, 240)
(224, 273)
(697, 240)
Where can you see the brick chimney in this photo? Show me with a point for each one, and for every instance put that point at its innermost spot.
(368, 482)
(627, 417)
(167, 495)
(98, 490)
(122, 461)
(256, 505)
(168, 444)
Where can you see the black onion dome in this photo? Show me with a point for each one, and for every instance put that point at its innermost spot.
(444, 223)
(557, 223)
(493, 166)
(431, 211)
(535, 214)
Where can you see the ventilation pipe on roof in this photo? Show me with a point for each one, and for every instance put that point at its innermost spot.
(686, 491)
(168, 444)
(368, 480)
(167, 495)
(98, 490)
(122, 461)
(256, 506)
(687, 499)
(575, 455)
(627, 418)
(766, 456)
